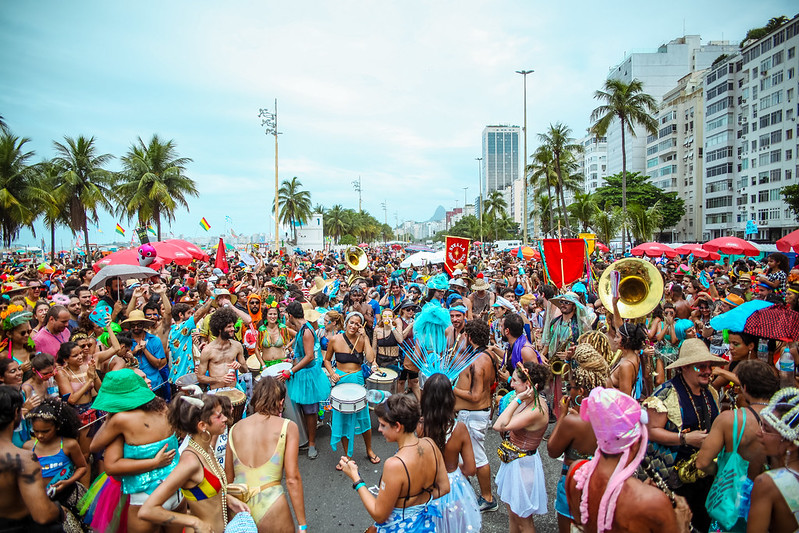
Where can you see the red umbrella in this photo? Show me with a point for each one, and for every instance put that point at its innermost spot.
(192, 248)
(790, 241)
(129, 256)
(653, 249)
(601, 247)
(774, 322)
(697, 250)
(731, 246)
(527, 252)
(172, 253)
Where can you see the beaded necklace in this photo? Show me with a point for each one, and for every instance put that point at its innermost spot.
(216, 469)
(696, 411)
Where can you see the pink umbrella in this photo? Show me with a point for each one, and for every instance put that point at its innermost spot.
(697, 250)
(127, 257)
(192, 248)
(790, 241)
(172, 253)
(653, 249)
(731, 246)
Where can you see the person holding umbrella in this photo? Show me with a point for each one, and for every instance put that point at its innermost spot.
(148, 349)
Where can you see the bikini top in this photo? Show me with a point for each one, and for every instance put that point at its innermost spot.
(428, 490)
(349, 357)
(280, 342)
(52, 465)
(207, 488)
(388, 341)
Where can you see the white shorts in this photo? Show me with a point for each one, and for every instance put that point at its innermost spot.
(138, 498)
(477, 423)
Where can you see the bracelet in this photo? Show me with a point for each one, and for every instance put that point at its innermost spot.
(682, 439)
(509, 378)
(518, 401)
(303, 527)
(357, 484)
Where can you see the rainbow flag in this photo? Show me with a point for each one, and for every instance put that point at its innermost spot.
(204, 224)
(120, 230)
(151, 229)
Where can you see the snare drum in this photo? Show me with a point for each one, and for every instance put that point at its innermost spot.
(237, 398)
(276, 369)
(348, 397)
(384, 379)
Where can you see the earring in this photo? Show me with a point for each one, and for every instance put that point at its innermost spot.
(580, 402)
(208, 434)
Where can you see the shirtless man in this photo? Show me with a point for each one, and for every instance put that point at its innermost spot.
(681, 306)
(473, 405)
(223, 356)
(482, 299)
(457, 315)
(25, 503)
(358, 303)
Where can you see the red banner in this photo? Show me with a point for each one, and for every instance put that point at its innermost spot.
(456, 251)
(565, 260)
(220, 261)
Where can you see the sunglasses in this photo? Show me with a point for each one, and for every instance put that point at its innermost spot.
(702, 366)
(47, 375)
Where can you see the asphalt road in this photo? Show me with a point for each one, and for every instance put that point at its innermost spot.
(332, 506)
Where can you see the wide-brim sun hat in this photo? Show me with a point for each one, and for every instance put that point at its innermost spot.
(438, 282)
(480, 285)
(225, 292)
(137, 317)
(695, 351)
(122, 390)
(502, 302)
(569, 297)
(457, 282)
(311, 315)
(319, 285)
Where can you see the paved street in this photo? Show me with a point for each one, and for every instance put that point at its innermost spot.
(332, 505)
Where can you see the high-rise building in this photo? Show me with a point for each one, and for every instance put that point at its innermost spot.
(659, 73)
(593, 162)
(500, 162)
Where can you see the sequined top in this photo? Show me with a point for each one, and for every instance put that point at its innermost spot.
(148, 481)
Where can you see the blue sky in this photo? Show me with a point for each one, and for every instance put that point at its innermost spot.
(395, 92)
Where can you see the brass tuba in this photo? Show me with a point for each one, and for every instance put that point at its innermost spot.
(640, 287)
(356, 260)
(559, 366)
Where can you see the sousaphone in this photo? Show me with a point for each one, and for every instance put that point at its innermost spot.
(356, 260)
(640, 287)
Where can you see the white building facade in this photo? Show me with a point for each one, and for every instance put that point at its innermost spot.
(501, 154)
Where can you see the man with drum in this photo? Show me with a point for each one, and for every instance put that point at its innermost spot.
(222, 357)
(473, 405)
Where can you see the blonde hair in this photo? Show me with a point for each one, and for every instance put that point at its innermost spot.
(599, 342)
(592, 370)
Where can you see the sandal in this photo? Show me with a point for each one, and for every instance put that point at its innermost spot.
(374, 459)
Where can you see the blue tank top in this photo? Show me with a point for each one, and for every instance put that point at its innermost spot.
(57, 467)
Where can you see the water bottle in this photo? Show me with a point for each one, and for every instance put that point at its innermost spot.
(787, 369)
(762, 350)
(377, 396)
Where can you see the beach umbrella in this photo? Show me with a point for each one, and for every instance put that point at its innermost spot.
(172, 253)
(731, 246)
(418, 259)
(653, 249)
(774, 322)
(789, 242)
(527, 253)
(129, 256)
(419, 248)
(192, 248)
(601, 247)
(697, 250)
(735, 319)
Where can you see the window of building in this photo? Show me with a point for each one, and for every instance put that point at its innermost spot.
(763, 159)
(776, 59)
(774, 194)
(776, 156)
(791, 52)
(774, 175)
(788, 155)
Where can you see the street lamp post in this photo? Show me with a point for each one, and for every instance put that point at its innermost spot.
(480, 181)
(524, 73)
(269, 120)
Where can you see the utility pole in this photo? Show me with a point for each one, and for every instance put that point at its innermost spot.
(524, 73)
(269, 120)
(356, 184)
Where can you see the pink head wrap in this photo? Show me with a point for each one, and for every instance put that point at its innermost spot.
(618, 423)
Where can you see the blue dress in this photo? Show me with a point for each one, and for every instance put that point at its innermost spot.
(309, 385)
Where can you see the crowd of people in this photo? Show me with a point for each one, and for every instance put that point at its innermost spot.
(186, 401)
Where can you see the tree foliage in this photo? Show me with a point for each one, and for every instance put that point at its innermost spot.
(641, 192)
(791, 195)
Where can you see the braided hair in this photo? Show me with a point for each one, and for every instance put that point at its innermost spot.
(592, 369)
(599, 342)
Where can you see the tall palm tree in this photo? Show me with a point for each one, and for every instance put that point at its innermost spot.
(16, 180)
(3, 124)
(153, 183)
(608, 222)
(495, 205)
(295, 204)
(563, 148)
(85, 185)
(52, 208)
(644, 222)
(583, 208)
(542, 175)
(335, 222)
(628, 103)
(319, 208)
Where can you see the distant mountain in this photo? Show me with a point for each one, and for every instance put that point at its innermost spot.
(440, 214)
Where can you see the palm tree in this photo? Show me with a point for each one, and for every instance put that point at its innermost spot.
(563, 148)
(3, 125)
(335, 222)
(644, 221)
(85, 184)
(542, 174)
(319, 208)
(631, 105)
(583, 208)
(16, 181)
(608, 222)
(153, 183)
(52, 208)
(495, 205)
(295, 204)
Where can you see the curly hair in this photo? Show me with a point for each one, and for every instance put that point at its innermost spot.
(402, 408)
(592, 369)
(220, 319)
(63, 416)
(632, 336)
(535, 374)
(438, 409)
(184, 415)
(478, 331)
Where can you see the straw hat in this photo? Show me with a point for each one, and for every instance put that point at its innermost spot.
(311, 315)
(480, 284)
(224, 292)
(137, 317)
(695, 351)
(319, 285)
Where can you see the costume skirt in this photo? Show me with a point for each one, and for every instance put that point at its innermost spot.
(459, 510)
(309, 385)
(414, 519)
(349, 424)
(520, 484)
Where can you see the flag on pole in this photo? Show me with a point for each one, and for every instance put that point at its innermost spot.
(151, 229)
(220, 261)
(227, 218)
(204, 224)
(119, 229)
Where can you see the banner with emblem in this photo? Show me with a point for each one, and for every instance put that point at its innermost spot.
(456, 251)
